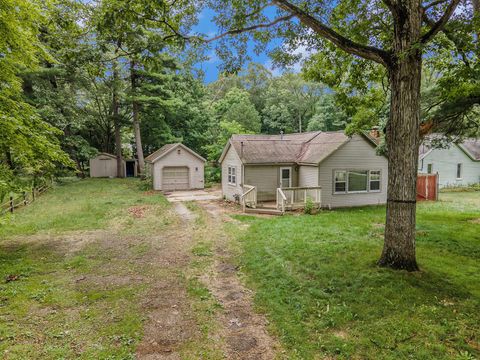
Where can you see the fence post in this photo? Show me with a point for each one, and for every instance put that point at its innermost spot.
(11, 203)
(33, 194)
(24, 198)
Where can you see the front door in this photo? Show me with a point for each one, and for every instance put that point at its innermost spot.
(285, 177)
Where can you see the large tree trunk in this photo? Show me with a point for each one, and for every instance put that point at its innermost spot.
(116, 121)
(403, 140)
(136, 119)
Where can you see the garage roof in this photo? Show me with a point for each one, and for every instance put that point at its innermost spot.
(165, 149)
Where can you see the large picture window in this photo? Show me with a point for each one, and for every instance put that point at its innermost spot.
(357, 181)
(232, 175)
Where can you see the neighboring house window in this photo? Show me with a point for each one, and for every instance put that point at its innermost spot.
(232, 175)
(375, 180)
(429, 168)
(356, 181)
(459, 171)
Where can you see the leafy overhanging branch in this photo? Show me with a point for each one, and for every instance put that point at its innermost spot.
(440, 24)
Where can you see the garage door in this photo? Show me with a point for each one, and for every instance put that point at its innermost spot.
(175, 178)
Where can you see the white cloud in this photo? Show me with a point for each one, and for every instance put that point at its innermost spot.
(302, 51)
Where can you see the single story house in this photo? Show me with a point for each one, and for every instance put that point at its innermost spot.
(456, 165)
(331, 168)
(176, 167)
(105, 165)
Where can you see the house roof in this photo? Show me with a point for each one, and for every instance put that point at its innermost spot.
(307, 148)
(165, 149)
(472, 148)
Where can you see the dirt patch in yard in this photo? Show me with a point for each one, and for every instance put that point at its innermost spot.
(138, 211)
(474, 221)
(170, 321)
(244, 330)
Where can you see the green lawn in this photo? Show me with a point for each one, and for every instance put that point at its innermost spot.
(315, 277)
(77, 258)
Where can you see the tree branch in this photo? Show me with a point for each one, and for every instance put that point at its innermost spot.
(433, 3)
(440, 24)
(250, 28)
(450, 37)
(367, 52)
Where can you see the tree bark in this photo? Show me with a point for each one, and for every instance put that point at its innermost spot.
(403, 140)
(136, 119)
(116, 121)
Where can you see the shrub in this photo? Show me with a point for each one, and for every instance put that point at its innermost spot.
(213, 174)
(463, 188)
(309, 206)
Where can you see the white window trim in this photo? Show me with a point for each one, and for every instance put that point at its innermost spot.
(230, 175)
(370, 181)
(461, 171)
(346, 182)
(289, 168)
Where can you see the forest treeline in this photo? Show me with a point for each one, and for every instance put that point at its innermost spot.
(119, 76)
(84, 79)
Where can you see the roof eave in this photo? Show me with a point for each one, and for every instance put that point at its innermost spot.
(173, 148)
(467, 152)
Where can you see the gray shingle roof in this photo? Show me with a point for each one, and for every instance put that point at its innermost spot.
(309, 147)
(472, 147)
(160, 152)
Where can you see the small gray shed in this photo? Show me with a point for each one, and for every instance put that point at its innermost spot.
(176, 167)
(105, 165)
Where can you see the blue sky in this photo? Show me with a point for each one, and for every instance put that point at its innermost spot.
(210, 67)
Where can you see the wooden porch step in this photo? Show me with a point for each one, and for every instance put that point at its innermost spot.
(267, 211)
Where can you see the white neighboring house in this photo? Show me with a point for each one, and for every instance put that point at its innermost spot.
(331, 168)
(176, 167)
(457, 165)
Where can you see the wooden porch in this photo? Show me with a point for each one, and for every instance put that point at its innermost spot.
(287, 199)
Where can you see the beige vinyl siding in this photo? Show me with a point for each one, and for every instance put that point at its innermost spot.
(308, 176)
(194, 164)
(231, 159)
(444, 161)
(357, 154)
(267, 179)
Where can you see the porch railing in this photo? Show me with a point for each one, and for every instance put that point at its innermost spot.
(297, 197)
(249, 196)
(281, 200)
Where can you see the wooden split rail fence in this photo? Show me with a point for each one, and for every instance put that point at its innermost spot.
(23, 199)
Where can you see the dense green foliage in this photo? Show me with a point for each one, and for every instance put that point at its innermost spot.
(316, 280)
(73, 85)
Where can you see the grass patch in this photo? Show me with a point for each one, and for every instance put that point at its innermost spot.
(315, 277)
(76, 290)
(83, 205)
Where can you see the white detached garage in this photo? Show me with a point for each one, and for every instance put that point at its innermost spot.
(176, 167)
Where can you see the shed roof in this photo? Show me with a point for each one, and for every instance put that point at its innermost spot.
(308, 148)
(106, 154)
(165, 149)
